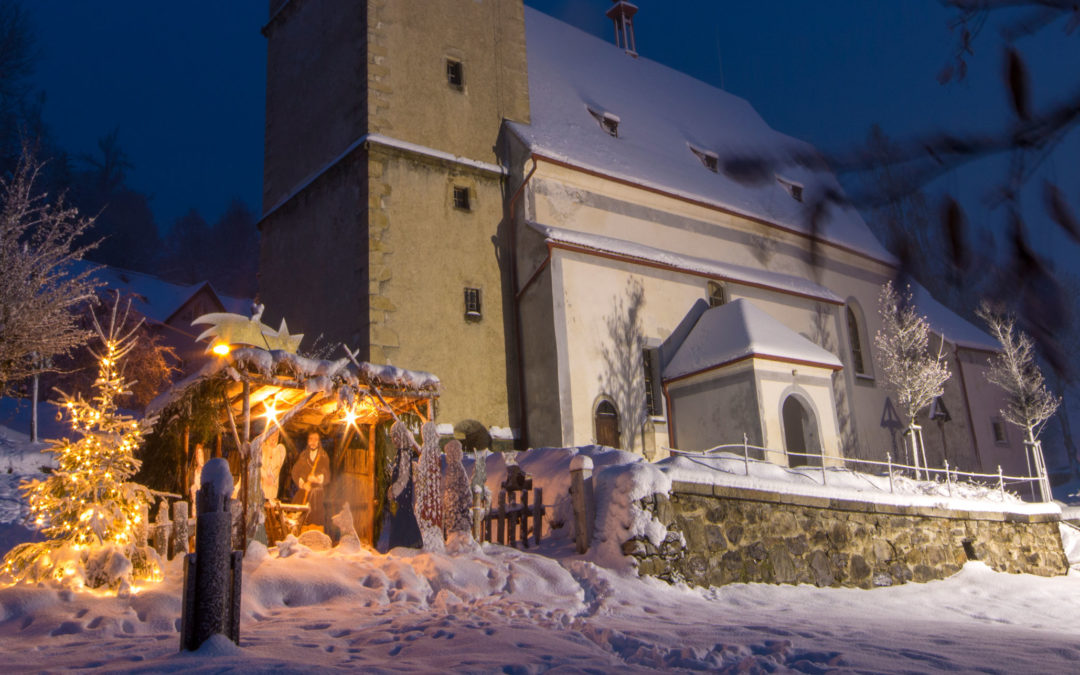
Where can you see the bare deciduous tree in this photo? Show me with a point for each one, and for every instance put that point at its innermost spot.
(39, 292)
(1028, 402)
(915, 375)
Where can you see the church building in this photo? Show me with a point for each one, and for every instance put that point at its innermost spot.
(541, 218)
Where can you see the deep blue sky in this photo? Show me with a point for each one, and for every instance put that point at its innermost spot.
(184, 82)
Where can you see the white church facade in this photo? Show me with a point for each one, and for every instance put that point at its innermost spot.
(541, 217)
(628, 233)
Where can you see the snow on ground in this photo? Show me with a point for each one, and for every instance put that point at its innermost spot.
(502, 610)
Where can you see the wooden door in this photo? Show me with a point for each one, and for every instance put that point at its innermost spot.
(607, 425)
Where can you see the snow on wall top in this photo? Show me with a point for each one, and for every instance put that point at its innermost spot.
(734, 273)
(738, 329)
(155, 298)
(661, 112)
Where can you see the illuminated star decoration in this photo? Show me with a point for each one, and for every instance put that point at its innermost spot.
(228, 329)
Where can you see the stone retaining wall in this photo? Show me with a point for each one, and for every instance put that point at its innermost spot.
(739, 535)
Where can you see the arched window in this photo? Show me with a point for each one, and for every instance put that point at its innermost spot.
(607, 424)
(800, 433)
(858, 361)
(717, 294)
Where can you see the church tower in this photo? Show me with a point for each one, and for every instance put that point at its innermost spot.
(382, 191)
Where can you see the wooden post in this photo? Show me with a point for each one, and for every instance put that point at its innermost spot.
(161, 531)
(1001, 483)
(948, 478)
(245, 464)
(581, 492)
(502, 518)
(524, 519)
(180, 531)
(478, 513)
(538, 514)
(187, 463)
(142, 529)
(888, 459)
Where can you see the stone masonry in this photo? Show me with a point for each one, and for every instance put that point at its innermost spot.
(737, 535)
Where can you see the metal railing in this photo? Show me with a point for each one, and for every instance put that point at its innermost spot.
(952, 475)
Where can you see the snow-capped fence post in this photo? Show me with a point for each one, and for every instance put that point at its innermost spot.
(746, 453)
(948, 478)
(212, 575)
(162, 528)
(888, 461)
(180, 529)
(142, 527)
(1001, 483)
(478, 512)
(500, 529)
(538, 514)
(581, 492)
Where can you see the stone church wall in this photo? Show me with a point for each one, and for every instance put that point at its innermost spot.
(739, 535)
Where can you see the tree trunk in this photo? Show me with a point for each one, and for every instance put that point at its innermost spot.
(33, 410)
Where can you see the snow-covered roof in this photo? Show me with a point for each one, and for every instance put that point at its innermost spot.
(661, 113)
(949, 324)
(724, 271)
(739, 329)
(155, 298)
(314, 376)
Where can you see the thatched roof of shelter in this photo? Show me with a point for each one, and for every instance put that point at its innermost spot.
(281, 380)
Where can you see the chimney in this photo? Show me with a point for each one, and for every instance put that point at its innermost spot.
(622, 13)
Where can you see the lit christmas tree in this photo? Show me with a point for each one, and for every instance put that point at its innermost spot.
(87, 508)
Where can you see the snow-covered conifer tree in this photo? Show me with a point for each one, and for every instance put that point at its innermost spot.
(915, 375)
(428, 504)
(1028, 402)
(87, 507)
(457, 495)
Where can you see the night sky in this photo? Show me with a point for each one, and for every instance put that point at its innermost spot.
(184, 82)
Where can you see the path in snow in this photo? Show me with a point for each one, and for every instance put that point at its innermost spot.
(505, 610)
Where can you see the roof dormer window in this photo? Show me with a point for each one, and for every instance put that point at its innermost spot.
(794, 189)
(609, 122)
(709, 158)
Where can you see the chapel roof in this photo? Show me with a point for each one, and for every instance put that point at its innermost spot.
(740, 329)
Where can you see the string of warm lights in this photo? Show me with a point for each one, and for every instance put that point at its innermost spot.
(88, 502)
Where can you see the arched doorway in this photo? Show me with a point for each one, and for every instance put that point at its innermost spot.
(607, 424)
(800, 433)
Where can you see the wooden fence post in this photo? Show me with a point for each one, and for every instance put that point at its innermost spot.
(581, 492)
(538, 514)
(502, 518)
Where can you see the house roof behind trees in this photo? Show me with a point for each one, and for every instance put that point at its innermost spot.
(156, 299)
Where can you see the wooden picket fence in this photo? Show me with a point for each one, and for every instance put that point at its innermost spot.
(514, 520)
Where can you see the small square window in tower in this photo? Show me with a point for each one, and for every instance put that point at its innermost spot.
(455, 74)
(461, 198)
(1000, 435)
(472, 304)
